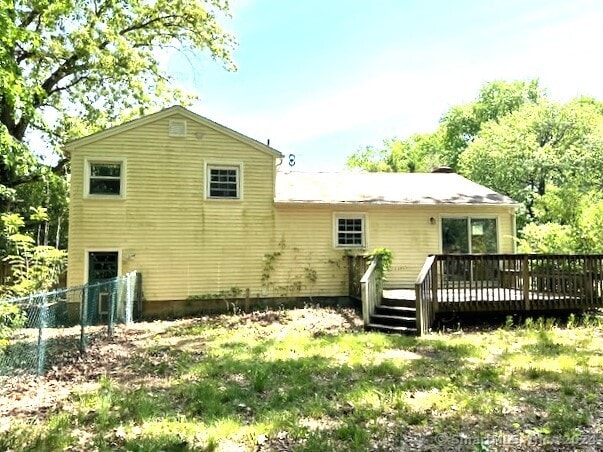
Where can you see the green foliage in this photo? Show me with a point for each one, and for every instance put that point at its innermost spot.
(11, 318)
(574, 223)
(463, 123)
(545, 155)
(458, 128)
(294, 281)
(68, 69)
(536, 149)
(590, 225)
(268, 266)
(384, 258)
(99, 59)
(291, 383)
(51, 194)
(419, 153)
(34, 268)
(233, 292)
(547, 238)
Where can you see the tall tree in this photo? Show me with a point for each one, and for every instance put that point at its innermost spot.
(458, 128)
(544, 155)
(461, 124)
(419, 153)
(69, 67)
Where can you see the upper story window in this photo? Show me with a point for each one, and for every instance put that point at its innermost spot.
(224, 182)
(105, 178)
(350, 231)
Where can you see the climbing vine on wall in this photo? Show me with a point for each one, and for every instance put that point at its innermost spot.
(297, 276)
(384, 258)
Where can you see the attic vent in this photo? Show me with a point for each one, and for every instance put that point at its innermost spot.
(177, 128)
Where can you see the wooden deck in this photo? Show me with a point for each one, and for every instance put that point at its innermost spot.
(507, 283)
(495, 299)
(482, 283)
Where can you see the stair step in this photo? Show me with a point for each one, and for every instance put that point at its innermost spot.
(384, 318)
(391, 328)
(398, 303)
(403, 311)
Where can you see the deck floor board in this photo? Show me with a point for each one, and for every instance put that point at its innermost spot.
(490, 299)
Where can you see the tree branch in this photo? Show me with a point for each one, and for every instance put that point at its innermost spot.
(74, 82)
(59, 168)
(143, 25)
(33, 14)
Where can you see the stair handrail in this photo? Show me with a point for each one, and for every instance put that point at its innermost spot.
(425, 294)
(371, 290)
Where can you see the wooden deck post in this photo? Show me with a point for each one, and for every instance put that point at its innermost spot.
(588, 285)
(419, 310)
(525, 274)
(434, 286)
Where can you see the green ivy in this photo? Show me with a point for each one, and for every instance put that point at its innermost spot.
(384, 257)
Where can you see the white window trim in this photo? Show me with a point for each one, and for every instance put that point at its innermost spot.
(223, 165)
(87, 252)
(350, 215)
(470, 217)
(88, 161)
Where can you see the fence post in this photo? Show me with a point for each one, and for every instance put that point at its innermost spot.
(129, 304)
(83, 318)
(43, 309)
(139, 294)
(112, 306)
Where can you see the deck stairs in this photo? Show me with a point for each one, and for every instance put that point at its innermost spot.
(394, 315)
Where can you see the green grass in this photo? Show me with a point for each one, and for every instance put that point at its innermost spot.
(247, 382)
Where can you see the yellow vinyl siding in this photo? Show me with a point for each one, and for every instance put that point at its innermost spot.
(185, 245)
(406, 230)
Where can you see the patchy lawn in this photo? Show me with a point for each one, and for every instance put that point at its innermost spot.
(312, 379)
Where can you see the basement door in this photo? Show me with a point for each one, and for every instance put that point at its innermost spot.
(102, 265)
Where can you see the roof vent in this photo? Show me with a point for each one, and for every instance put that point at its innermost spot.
(177, 128)
(442, 169)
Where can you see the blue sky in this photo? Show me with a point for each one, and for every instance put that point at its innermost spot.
(322, 78)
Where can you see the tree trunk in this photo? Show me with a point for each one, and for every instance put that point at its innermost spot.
(58, 236)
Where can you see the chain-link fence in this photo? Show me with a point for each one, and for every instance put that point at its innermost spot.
(34, 328)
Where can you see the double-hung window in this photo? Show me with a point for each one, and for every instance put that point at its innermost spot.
(223, 182)
(350, 231)
(105, 178)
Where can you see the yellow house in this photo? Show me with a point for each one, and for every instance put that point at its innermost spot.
(206, 213)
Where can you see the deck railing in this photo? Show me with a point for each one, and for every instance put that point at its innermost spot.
(371, 290)
(426, 299)
(516, 282)
(484, 278)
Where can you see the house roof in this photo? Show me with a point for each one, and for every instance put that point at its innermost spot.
(384, 188)
(165, 113)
